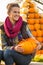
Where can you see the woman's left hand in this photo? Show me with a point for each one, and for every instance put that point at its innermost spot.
(37, 48)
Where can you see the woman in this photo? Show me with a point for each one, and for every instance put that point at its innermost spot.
(14, 30)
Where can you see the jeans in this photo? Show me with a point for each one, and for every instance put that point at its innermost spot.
(11, 56)
(1, 55)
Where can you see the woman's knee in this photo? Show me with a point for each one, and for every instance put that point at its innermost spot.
(7, 53)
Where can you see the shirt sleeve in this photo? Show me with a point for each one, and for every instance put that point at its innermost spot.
(2, 40)
(28, 31)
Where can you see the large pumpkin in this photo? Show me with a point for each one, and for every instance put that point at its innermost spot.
(28, 45)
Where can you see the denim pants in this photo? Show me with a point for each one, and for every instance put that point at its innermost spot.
(1, 55)
(11, 56)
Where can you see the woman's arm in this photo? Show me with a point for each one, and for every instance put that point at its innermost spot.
(39, 46)
(0, 41)
(30, 35)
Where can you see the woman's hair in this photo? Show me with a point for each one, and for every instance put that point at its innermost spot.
(10, 5)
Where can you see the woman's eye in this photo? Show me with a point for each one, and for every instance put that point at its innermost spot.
(16, 12)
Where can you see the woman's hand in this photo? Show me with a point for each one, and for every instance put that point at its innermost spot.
(37, 48)
(19, 48)
(12, 47)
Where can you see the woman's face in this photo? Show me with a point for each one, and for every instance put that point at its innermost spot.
(14, 14)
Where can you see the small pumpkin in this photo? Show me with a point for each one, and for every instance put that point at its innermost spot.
(36, 15)
(28, 45)
(42, 33)
(31, 27)
(41, 26)
(31, 15)
(37, 21)
(39, 39)
(39, 52)
(34, 33)
(37, 26)
(39, 33)
(41, 20)
(31, 10)
(31, 21)
(31, 5)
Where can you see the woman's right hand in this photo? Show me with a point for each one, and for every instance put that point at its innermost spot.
(18, 48)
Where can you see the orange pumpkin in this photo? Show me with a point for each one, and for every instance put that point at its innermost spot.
(34, 33)
(31, 21)
(31, 10)
(41, 20)
(31, 5)
(37, 26)
(36, 15)
(28, 45)
(39, 33)
(36, 21)
(39, 52)
(41, 26)
(39, 39)
(42, 33)
(31, 15)
(42, 40)
(31, 27)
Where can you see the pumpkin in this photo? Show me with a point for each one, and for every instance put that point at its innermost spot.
(31, 21)
(39, 33)
(42, 33)
(39, 52)
(36, 15)
(31, 10)
(41, 20)
(39, 39)
(36, 21)
(31, 27)
(28, 45)
(41, 26)
(31, 15)
(34, 33)
(37, 26)
(31, 5)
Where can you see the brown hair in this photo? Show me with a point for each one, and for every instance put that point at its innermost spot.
(10, 5)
